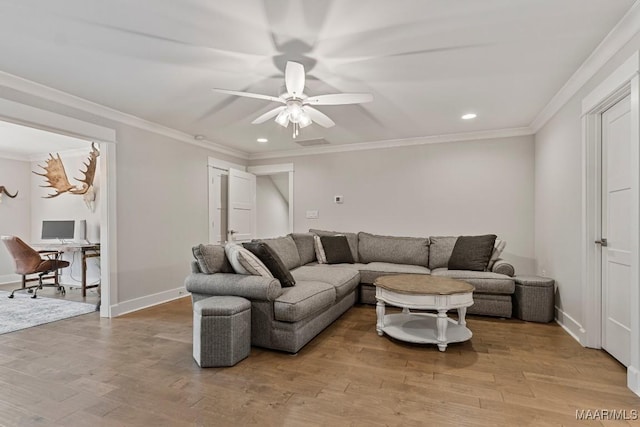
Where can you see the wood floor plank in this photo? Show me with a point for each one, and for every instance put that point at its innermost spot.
(138, 370)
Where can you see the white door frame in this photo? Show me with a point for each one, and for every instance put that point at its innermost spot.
(622, 82)
(275, 169)
(214, 165)
(26, 115)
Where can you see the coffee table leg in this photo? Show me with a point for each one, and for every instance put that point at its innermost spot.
(380, 314)
(441, 323)
(462, 312)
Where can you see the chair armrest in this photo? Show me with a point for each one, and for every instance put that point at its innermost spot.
(503, 267)
(241, 285)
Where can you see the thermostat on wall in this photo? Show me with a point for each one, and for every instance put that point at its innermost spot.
(338, 199)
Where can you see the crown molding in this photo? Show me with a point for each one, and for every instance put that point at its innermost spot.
(612, 43)
(393, 143)
(45, 92)
(14, 156)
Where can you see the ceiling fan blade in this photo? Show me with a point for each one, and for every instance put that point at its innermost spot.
(294, 79)
(269, 114)
(339, 99)
(319, 117)
(250, 95)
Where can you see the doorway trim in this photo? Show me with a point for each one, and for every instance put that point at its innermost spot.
(624, 81)
(26, 115)
(275, 169)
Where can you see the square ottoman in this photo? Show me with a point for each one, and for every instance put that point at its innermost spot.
(534, 298)
(221, 331)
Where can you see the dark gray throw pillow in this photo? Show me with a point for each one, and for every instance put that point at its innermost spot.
(337, 250)
(272, 261)
(472, 252)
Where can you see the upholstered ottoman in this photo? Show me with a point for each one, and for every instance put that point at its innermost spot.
(221, 331)
(533, 299)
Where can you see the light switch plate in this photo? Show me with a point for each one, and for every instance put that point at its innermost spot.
(312, 214)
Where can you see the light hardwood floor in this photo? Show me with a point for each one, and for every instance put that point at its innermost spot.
(138, 370)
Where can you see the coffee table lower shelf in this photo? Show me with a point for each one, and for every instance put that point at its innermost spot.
(422, 328)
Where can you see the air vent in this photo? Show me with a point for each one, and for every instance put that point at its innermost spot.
(312, 142)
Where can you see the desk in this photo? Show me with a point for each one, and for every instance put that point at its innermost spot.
(89, 250)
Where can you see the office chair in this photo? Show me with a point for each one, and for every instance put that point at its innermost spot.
(28, 261)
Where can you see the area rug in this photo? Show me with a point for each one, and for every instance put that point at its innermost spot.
(22, 311)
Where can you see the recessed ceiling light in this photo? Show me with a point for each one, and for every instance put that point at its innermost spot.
(469, 116)
(262, 140)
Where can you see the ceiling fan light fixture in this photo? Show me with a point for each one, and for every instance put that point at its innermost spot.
(283, 118)
(295, 111)
(304, 120)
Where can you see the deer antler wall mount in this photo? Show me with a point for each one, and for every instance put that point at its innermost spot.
(56, 177)
(4, 191)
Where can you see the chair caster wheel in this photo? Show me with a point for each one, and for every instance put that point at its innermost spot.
(11, 296)
(34, 296)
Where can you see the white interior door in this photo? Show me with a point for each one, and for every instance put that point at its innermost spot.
(242, 206)
(616, 229)
(218, 186)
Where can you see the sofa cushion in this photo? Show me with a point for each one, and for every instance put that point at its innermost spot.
(352, 238)
(497, 251)
(336, 249)
(306, 249)
(343, 279)
(399, 250)
(272, 261)
(320, 254)
(374, 270)
(286, 249)
(211, 259)
(485, 282)
(440, 250)
(245, 262)
(472, 253)
(303, 300)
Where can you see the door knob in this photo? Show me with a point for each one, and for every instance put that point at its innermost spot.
(232, 232)
(602, 242)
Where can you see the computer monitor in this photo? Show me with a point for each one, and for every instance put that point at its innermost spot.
(62, 230)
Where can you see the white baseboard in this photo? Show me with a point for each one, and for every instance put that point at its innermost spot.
(136, 304)
(633, 379)
(571, 326)
(10, 278)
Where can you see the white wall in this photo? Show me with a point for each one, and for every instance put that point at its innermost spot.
(67, 207)
(272, 210)
(15, 175)
(457, 188)
(558, 198)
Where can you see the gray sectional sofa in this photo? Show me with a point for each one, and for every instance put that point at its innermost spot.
(288, 318)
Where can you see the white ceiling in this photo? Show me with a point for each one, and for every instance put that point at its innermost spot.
(25, 143)
(426, 62)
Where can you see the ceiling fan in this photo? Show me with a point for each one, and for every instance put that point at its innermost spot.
(297, 108)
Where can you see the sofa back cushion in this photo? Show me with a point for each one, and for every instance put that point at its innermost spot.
(397, 250)
(306, 249)
(211, 259)
(286, 249)
(352, 238)
(440, 250)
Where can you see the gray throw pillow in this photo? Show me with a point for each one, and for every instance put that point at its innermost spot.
(472, 252)
(272, 261)
(337, 250)
(211, 259)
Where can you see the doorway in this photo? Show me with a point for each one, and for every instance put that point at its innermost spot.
(273, 200)
(611, 218)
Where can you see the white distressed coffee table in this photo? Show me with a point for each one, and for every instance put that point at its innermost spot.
(423, 292)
